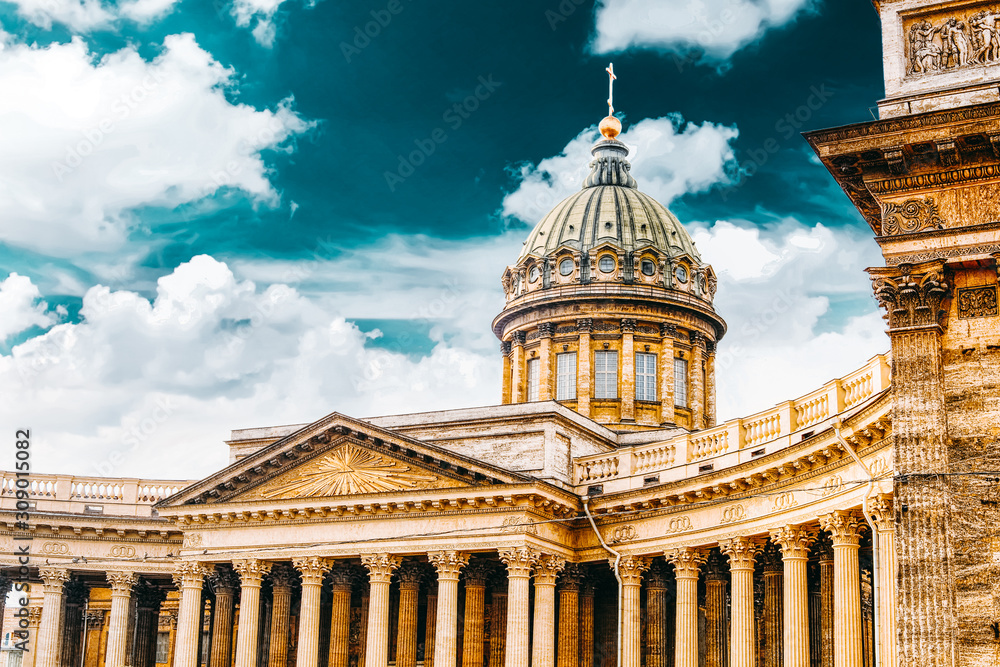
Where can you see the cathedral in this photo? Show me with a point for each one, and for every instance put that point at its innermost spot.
(599, 515)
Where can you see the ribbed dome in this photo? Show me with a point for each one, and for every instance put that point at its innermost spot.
(609, 209)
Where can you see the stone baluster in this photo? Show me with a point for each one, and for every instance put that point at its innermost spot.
(716, 623)
(48, 642)
(312, 570)
(224, 583)
(686, 562)
(520, 562)
(543, 644)
(568, 645)
(252, 573)
(341, 579)
(409, 574)
(189, 576)
(283, 578)
(380, 569)
(476, 573)
(773, 568)
(794, 542)
(631, 569)
(742, 553)
(449, 565)
(845, 533)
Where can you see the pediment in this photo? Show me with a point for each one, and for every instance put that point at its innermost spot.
(349, 469)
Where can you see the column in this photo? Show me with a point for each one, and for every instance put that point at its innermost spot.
(824, 551)
(409, 574)
(586, 623)
(48, 637)
(710, 384)
(628, 371)
(189, 577)
(543, 642)
(251, 573)
(475, 574)
(519, 561)
(631, 569)
(517, 388)
(545, 387)
(667, 332)
(282, 579)
(881, 510)
(498, 619)
(380, 569)
(794, 542)
(742, 552)
(656, 616)
(121, 599)
(449, 565)
(505, 395)
(223, 582)
(716, 583)
(148, 598)
(312, 570)
(75, 595)
(773, 567)
(30, 657)
(697, 385)
(845, 533)
(686, 562)
(431, 629)
(583, 370)
(340, 617)
(363, 624)
(568, 646)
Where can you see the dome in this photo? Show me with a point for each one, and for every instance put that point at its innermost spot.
(609, 209)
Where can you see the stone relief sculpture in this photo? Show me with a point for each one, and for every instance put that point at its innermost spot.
(953, 43)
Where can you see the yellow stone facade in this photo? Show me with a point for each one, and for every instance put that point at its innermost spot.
(593, 518)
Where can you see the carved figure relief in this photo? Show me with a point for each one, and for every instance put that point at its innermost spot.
(953, 42)
(518, 525)
(977, 302)
(351, 470)
(913, 215)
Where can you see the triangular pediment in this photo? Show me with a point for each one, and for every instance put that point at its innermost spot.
(349, 469)
(336, 457)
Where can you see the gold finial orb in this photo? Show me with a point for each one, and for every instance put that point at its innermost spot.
(610, 127)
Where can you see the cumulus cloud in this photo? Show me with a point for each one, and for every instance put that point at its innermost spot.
(798, 306)
(715, 29)
(87, 15)
(88, 140)
(259, 14)
(20, 308)
(669, 158)
(151, 387)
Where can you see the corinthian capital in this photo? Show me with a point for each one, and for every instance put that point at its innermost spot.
(686, 561)
(187, 574)
(794, 541)
(251, 571)
(380, 566)
(881, 512)
(53, 579)
(122, 582)
(631, 569)
(312, 569)
(520, 561)
(448, 564)
(844, 527)
(742, 552)
(912, 294)
(548, 568)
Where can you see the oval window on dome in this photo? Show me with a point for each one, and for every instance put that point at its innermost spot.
(681, 273)
(607, 263)
(648, 268)
(566, 267)
(533, 274)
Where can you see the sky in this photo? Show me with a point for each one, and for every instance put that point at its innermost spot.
(238, 213)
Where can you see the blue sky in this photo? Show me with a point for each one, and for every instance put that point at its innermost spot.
(230, 214)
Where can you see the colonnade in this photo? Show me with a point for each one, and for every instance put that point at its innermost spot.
(542, 612)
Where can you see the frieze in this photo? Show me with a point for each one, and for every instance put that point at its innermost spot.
(122, 551)
(620, 534)
(55, 549)
(518, 525)
(947, 43)
(678, 525)
(783, 501)
(192, 540)
(919, 181)
(977, 302)
(913, 215)
(943, 253)
(832, 486)
(733, 513)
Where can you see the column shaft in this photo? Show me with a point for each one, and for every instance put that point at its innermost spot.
(545, 392)
(568, 649)
(583, 367)
(773, 593)
(628, 371)
(448, 564)
(519, 562)
(380, 569)
(498, 628)
(826, 609)
(472, 634)
(431, 630)
(406, 634)
(845, 532)
(666, 362)
(312, 571)
(225, 583)
(340, 620)
(795, 542)
(281, 609)
(121, 597)
(742, 634)
(716, 646)
(884, 523)
(247, 634)
(543, 644)
(686, 563)
(587, 625)
(49, 637)
(189, 577)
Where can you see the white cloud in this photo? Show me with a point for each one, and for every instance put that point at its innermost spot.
(152, 388)
(87, 141)
(717, 28)
(19, 307)
(669, 158)
(259, 14)
(86, 15)
(780, 290)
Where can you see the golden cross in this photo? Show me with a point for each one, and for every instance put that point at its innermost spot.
(610, 69)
